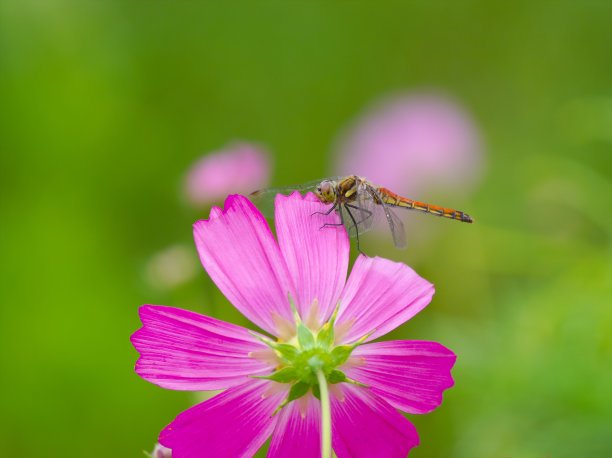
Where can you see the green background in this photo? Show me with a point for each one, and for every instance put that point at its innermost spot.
(105, 104)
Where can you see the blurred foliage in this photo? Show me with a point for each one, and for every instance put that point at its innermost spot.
(104, 105)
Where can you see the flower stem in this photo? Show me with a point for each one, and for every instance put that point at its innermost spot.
(326, 450)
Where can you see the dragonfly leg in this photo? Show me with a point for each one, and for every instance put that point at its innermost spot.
(354, 224)
(333, 207)
(362, 210)
(341, 223)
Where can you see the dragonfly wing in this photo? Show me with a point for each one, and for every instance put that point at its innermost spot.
(264, 198)
(361, 219)
(395, 224)
(397, 228)
(359, 216)
(264, 201)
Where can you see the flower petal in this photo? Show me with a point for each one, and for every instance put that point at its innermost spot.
(379, 296)
(239, 253)
(409, 374)
(183, 350)
(365, 426)
(316, 256)
(298, 431)
(233, 424)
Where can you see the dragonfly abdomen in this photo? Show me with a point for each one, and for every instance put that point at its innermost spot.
(395, 200)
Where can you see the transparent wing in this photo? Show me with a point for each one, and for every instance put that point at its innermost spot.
(359, 216)
(264, 198)
(397, 228)
(393, 221)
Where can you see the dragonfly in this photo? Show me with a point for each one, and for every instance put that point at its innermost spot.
(360, 204)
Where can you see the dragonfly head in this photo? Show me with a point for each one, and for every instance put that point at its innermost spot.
(326, 192)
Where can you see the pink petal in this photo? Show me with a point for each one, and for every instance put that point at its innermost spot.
(239, 253)
(366, 426)
(233, 424)
(409, 374)
(298, 431)
(183, 350)
(379, 296)
(317, 256)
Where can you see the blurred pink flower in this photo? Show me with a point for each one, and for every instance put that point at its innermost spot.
(413, 142)
(171, 267)
(295, 289)
(238, 168)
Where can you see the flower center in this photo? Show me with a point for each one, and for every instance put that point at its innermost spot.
(309, 353)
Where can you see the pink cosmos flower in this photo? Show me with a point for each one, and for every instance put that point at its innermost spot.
(320, 369)
(239, 167)
(413, 142)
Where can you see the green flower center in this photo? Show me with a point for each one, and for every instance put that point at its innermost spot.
(309, 353)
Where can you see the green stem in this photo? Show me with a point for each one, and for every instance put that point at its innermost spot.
(326, 450)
